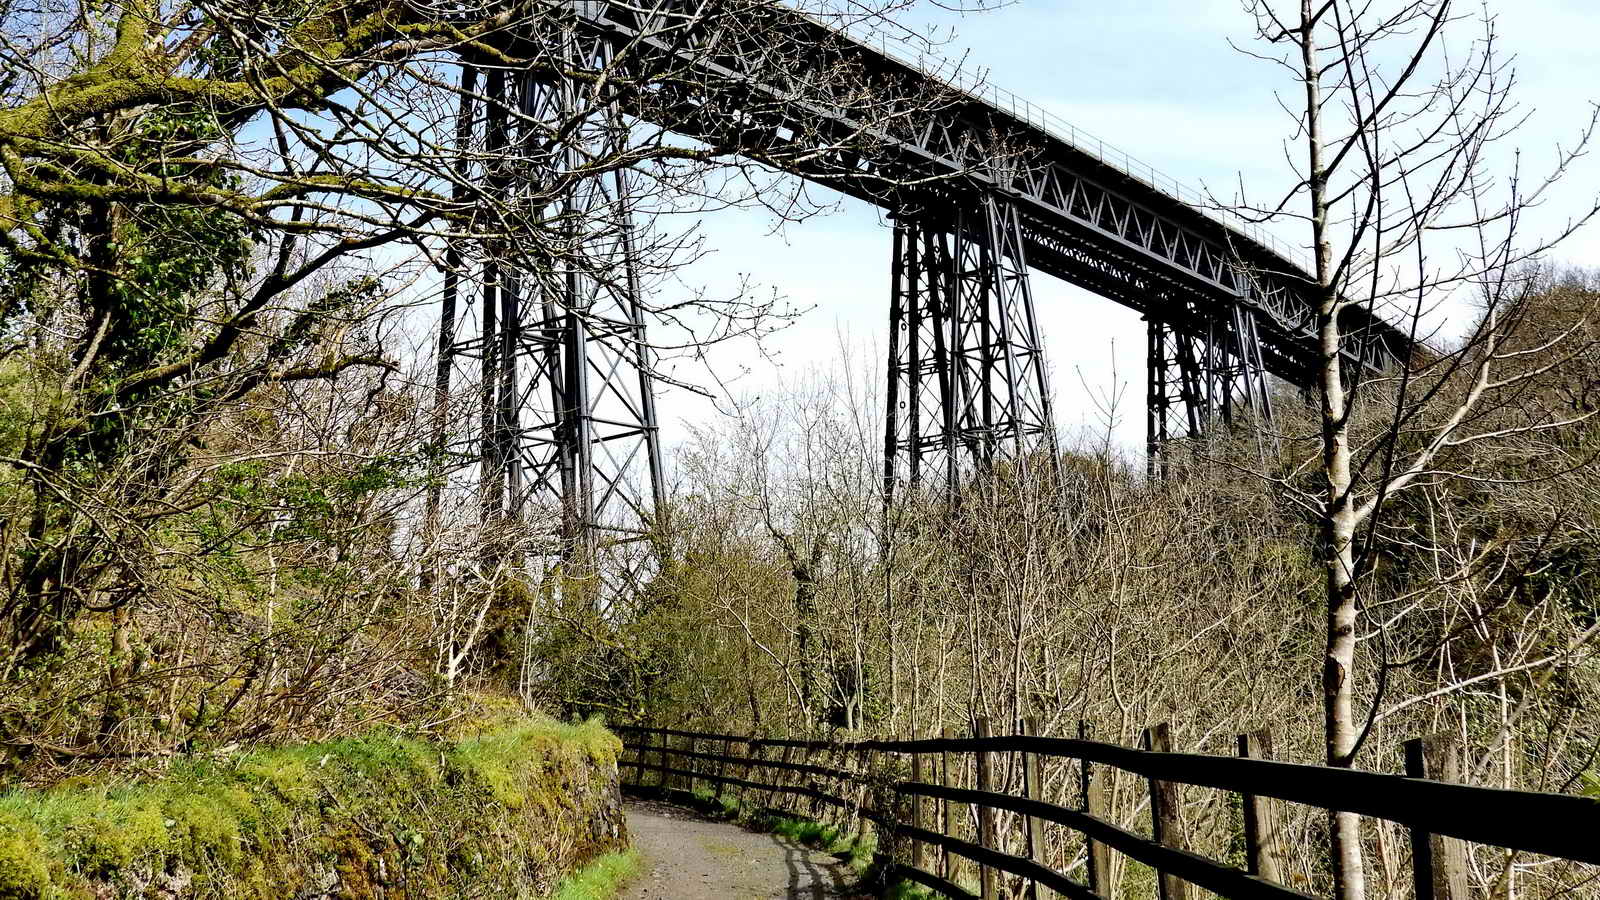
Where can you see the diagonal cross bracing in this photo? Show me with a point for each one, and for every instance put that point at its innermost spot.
(566, 402)
(967, 380)
(981, 192)
(1203, 372)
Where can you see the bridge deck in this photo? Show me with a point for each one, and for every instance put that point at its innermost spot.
(1092, 218)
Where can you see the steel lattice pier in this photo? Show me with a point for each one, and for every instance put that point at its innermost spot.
(567, 409)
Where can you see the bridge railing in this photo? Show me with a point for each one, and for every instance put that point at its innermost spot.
(951, 807)
(973, 82)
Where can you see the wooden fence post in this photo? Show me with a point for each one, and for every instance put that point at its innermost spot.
(702, 767)
(864, 772)
(722, 771)
(640, 742)
(790, 803)
(952, 862)
(1164, 812)
(773, 779)
(747, 771)
(1033, 789)
(661, 760)
(852, 788)
(813, 781)
(894, 811)
(751, 770)
(917, 822)
(686, 764)
(839, 760)
(1263, 818)
(1097, 803)
(1438, 864)
(989, 889)
(753, 757)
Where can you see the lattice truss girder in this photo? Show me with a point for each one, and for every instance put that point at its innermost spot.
(967, 378)
(567, 434)
(1083, 218)
(1203, 372)
(748, 89)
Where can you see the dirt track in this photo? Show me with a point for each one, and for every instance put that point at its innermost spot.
(687, 857)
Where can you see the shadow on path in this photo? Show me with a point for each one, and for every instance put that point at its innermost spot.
(686, 856)
(810, 879)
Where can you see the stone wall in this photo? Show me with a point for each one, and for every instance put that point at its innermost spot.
(503, 812)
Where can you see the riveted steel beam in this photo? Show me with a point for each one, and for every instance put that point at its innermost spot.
(967, 380)
(568, 439)
(1203, 373)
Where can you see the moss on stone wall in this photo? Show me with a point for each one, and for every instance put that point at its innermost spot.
(504, 812)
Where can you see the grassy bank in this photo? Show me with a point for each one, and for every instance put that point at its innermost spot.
(510, 811)
(601, 879)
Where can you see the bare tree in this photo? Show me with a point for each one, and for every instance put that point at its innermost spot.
(203, 206)
(1413, 204)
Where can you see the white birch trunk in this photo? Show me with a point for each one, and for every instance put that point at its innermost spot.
(1339, 513)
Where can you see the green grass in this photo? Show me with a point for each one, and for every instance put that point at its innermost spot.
(804, 831)
(600, 880)
(722, 807)
(855, 851)
(910, 890)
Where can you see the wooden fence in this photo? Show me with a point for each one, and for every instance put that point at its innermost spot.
(913, 793)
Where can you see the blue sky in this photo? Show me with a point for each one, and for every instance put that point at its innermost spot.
(1158, 79)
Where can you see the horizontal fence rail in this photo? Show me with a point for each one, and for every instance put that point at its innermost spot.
(867, 781)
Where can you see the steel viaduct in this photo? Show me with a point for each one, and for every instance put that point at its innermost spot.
(982, 189)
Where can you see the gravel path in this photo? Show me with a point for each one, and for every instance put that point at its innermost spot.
(687, 857)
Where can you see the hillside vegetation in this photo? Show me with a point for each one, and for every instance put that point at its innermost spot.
(1089, 592)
